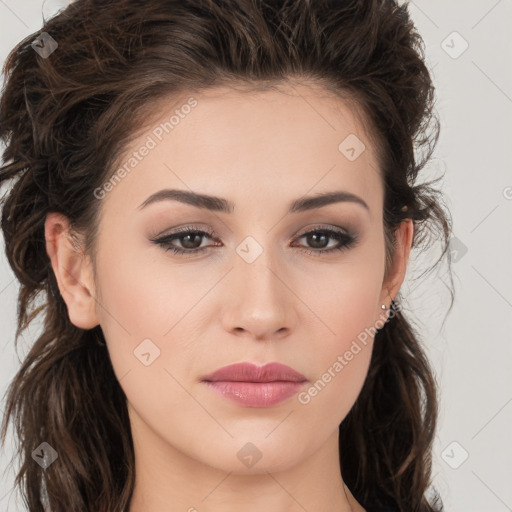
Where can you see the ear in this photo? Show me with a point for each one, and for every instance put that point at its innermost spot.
(404, 235)
(72, 270)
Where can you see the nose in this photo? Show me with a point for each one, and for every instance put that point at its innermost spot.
(260, 304)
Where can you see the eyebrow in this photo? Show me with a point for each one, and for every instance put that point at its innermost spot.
(218, 204)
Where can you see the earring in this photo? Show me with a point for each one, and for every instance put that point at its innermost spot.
(393, 303)
(391, 306)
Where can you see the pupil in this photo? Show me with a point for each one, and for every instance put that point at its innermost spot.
(190, 236)
(315, 236)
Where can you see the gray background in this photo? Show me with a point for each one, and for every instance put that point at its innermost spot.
(471, 352)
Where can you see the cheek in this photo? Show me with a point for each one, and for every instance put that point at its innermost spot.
(341, 366)
(348, 320)
(131, 310)
(148, 311)
(344, 298)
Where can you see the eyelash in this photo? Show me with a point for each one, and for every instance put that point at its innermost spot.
(348, 241)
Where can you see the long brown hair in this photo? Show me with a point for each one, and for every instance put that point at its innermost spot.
(65, 119)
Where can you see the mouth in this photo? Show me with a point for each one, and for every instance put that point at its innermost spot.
(254, 386)
(255, 394)
(249, 372)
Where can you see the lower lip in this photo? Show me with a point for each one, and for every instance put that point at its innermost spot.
(256, 394)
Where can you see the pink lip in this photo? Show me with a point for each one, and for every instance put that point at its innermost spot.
(255, 386)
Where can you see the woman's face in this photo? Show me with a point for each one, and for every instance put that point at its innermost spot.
(252, 293)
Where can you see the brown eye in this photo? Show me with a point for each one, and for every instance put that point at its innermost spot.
(189, 238)
(190, 241)
(319, 238)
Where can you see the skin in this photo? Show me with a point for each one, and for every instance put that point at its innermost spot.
(213, 308)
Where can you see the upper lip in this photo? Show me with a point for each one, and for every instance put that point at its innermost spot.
(248, 372)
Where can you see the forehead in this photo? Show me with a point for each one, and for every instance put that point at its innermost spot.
(302, 109)
(289, 141)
